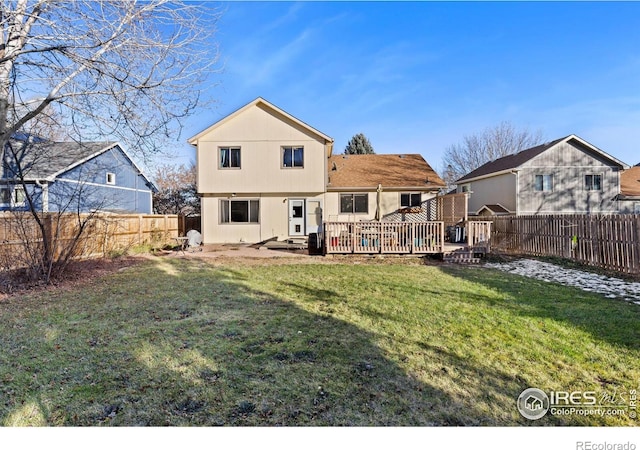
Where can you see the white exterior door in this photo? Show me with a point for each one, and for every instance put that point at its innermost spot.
(296, 217)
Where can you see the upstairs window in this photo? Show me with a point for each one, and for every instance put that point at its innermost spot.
(543, 183)
(410, 199)
(229, 157)
(111, 178)
(292, 157)
(593, 182)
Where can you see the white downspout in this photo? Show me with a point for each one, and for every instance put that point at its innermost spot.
(516, 173)
(45, 195)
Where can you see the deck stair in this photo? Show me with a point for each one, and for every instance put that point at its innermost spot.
(463, 255)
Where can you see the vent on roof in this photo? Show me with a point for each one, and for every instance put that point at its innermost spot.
(403, 156)
(345, 156)
(334, 166)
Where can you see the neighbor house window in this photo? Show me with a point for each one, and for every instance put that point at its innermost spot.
(543, 183)
(5, 195)
(229, 157)
(111, 178)
(410, 199)
(292, 157)
(354, 203)
(19, 196)
(593, 182)
(239, 211)
(12, 196)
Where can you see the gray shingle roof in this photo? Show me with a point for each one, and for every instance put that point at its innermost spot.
(510, 161)
(41, 160)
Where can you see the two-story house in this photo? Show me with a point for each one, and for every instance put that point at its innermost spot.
(565, 176)
(262, 173)
(72, 177)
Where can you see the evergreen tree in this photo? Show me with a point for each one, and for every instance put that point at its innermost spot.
(359, 145)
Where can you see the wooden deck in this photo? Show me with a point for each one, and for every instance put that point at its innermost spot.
(400, 237)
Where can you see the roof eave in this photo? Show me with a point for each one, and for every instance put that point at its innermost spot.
(384, 188)
(463, 180)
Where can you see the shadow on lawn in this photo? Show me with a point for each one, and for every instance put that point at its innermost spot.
(613, 321)
(196, 346)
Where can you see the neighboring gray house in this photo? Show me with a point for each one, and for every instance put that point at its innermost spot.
(73, 177)
(565, 176)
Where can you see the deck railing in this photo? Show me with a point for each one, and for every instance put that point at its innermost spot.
(479, 235)
(384, 237)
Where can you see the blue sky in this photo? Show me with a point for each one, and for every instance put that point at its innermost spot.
(415, 77)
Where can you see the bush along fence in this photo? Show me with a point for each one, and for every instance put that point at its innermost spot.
(104, 234)
(606, 241)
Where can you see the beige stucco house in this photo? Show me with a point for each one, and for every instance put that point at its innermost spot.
(565, 176)
(262, 173)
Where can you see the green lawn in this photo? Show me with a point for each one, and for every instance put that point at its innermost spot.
(193, 342)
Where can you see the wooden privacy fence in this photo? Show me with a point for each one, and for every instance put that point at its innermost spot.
(104, 234)
(610, 242)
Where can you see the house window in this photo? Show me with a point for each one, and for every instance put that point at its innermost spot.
(5, 195)
(292, 157)
(354, 203)
(13, 197)
(19, 196)
(593, 182)
(543, 183)
(229, 157)
(239, 211)
(409, 199)
(111, 178)
(465, 188)
(636, 208)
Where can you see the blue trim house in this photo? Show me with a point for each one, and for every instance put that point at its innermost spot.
(72, 177)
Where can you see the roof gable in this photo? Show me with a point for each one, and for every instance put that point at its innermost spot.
(516, 160)
(391, 171)
(265, 105)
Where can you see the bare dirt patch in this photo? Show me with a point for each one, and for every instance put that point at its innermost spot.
(78, 273)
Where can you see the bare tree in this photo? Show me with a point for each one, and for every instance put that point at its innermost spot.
(490, 144)
(118, 70)
(177, 191)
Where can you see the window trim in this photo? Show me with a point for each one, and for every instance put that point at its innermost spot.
(229, 148)
(543, 175)
(111, 178)
(353, 202)
(587, 187)
(283, 149)
(231, 200)
(410, 194)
